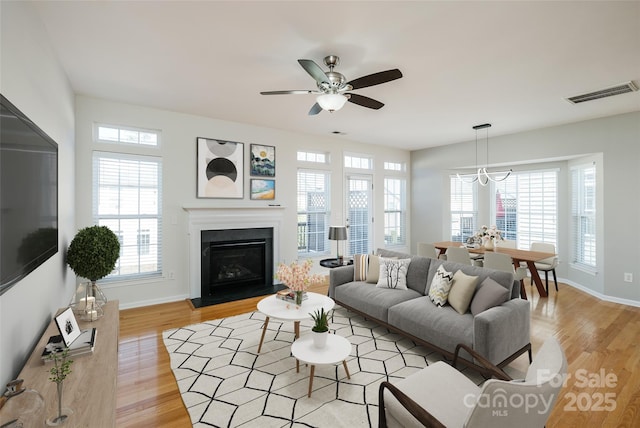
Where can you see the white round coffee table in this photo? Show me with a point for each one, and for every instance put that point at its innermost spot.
(272, 307)
(337, 350)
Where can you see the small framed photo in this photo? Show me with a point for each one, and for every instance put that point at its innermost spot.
(263, 189)
(220, 169)
(68, 326)
(263, 160)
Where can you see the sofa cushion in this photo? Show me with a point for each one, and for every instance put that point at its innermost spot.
(440, 286)
(489, 294)
(503, 278)
(373, 272)
(393, 273)
(417, 272)
(372, 301)
(462, 288)
(361, 266)
(443, 327)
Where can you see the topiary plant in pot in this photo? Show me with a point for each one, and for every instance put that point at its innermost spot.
(92, 254)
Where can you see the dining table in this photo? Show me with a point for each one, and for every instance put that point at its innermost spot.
(517, 256)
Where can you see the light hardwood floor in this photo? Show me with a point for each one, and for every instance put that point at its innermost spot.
(598, 338)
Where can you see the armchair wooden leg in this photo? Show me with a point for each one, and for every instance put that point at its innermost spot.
(555, 279)
(546, 280)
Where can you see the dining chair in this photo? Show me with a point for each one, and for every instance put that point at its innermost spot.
(506, 243)
(441, 396)
(504, 262)
(427, 250)
(458, 255)
(548, 264)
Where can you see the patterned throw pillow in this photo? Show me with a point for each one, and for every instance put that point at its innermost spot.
(360, 267)
(393, 273)
(461, 292)
(373, 273)
(440, 286)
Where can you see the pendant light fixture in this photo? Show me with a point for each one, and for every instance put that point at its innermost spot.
(482, 175)
(331, 102)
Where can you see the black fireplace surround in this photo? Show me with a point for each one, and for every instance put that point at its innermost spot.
(235, 264)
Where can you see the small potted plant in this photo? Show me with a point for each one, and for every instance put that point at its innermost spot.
(320, 327)
(92, 254)
(58, 373)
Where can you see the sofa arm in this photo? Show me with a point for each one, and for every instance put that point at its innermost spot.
(338, 276)
(501, 331)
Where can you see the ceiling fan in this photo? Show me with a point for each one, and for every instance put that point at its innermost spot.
(334, 90)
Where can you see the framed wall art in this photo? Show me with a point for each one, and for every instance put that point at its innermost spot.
(220, 169)
(263, 189)
(263, 160)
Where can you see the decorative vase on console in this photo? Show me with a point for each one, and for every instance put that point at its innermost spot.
(92, 254)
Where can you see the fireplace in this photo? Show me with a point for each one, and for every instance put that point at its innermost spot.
(235, 263)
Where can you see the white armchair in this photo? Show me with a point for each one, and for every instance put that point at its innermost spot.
(440, 396)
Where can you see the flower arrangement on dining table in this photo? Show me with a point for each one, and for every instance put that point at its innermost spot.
(297, 278)
(488, 235)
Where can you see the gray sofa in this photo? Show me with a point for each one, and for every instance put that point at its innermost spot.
(501, 333)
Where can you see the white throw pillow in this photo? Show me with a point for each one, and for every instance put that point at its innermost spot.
(393, 273)
(440, 286)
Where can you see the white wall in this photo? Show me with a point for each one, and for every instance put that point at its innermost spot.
(178, 150)
(614, 142)
(33, 81)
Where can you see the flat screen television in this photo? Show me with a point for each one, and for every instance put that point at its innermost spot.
(28, 195)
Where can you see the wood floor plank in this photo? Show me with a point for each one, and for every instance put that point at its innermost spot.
(594, 334)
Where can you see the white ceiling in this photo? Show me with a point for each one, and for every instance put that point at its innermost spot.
(464, 63)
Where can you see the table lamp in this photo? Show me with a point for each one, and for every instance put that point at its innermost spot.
(338, 233)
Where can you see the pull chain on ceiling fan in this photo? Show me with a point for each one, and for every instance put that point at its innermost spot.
(334, 90)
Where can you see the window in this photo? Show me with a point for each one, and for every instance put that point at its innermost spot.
(394, 211)
(526, 207)
(358, 162)
(313, 211)
(313, 157)
(583, 215)
(115, 134)
(127, 198)
(464, 209)
(394, 166)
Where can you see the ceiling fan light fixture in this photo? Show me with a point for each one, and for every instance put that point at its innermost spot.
(331, 102)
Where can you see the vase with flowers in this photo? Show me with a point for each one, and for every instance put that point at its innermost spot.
(297, 278)
(488, 236)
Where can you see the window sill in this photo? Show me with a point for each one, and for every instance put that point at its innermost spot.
(585, 269)
(128, 282)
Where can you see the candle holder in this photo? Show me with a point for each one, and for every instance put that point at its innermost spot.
(88, 300)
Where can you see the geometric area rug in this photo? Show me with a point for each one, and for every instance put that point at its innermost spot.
(224, 382)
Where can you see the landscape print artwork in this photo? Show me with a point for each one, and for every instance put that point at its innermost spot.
(263, 160)
(220, 169)
(263, 189)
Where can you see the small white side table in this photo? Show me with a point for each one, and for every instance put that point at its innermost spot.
(337, 350)
(272, 307)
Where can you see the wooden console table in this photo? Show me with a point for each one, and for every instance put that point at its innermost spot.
(90, 389)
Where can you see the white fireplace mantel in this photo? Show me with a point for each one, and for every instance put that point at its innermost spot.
(220, 218)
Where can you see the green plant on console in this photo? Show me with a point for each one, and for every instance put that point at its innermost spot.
(58, 373)
(321, 321)
(93, 252)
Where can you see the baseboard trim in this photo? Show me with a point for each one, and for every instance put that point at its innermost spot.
(150, 302)
(600, 296)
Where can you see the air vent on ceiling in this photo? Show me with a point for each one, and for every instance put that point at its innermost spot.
(602, 93)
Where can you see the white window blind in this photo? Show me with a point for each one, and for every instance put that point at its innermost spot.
(359, 218)
(127, 198)
(583, 215)
(525, 207)
(395, 211)
(464, 209)
(313, 212)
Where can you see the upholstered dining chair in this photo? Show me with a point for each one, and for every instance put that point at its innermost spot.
(504, 262)
(458, 255)
(427, 250)
(441, 396)
(506, 243)
(548, 264)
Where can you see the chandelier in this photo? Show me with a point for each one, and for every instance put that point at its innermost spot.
(482, 175)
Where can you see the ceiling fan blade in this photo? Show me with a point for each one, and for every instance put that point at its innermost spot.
(363, 101)
(376, 78)
(314, 70)
(294, 92)
(315, 109)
